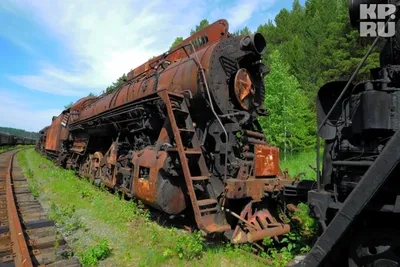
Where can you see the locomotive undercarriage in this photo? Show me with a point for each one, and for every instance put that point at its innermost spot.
(143, 160)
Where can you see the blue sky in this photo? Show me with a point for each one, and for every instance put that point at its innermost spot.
(55, 51)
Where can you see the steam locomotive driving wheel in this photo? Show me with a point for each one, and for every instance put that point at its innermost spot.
(375, 248)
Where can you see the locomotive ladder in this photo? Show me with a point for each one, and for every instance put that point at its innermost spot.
(207, 210)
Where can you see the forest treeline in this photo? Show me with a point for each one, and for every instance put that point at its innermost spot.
(19, 132)
(307, 46)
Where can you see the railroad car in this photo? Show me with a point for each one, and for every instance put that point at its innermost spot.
(28, 141)
(7, 139)
(182, 136)
(11, 140)
(41, 142)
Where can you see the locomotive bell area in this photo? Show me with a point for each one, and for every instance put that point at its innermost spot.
(227, 133)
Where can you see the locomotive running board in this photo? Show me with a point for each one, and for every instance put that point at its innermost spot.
(359, 198)
(208, 213)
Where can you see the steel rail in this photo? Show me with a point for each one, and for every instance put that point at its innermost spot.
(19, 246)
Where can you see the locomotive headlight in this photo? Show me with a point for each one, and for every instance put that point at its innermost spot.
(244, 89)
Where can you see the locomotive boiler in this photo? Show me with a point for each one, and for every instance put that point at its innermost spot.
(357, 201)
(182, 136)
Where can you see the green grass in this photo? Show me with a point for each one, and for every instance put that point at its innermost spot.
(300, 163)
(100, 227)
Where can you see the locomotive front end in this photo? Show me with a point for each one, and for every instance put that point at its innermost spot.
(236, 73)
(238, 152)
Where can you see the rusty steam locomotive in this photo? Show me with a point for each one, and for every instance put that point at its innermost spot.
(182, 136)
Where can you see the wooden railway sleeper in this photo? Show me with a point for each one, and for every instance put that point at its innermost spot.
(40, 233)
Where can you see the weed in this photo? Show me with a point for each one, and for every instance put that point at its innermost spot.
(34, 189)
(127, 257)
(65, 217)
(94, 254)
(189, 246)
(86, 193)
(308, 226)
(29, 174)
(247, 248)
(67, 254)
(294, 242)
(268, 242)
(168, 253)
(56, 246)
(73, 224)
(60, 215)
(103, 187)
(300, 163)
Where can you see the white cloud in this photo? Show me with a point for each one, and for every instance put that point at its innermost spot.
(107, 38)
(238, 14)
(104, 39)
(18, 113)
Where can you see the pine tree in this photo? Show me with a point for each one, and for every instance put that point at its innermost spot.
(204, 23)
(318, 44)
(244, 31)
(119, 82)
(69, 105)
(177, 41)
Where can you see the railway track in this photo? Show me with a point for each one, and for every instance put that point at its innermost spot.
(27, 236)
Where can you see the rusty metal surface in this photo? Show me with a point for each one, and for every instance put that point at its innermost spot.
(145, 184)
(267, 161)
(254, 188)
(244, 88)
(216, 32)
(207, 210)
(260, 224)
(176, 77)
(27, 237)
(56, 133)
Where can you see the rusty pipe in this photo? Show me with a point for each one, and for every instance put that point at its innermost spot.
(240, 218)
(254, 134)
(256, 141)
(248, 155)
(269, 232)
